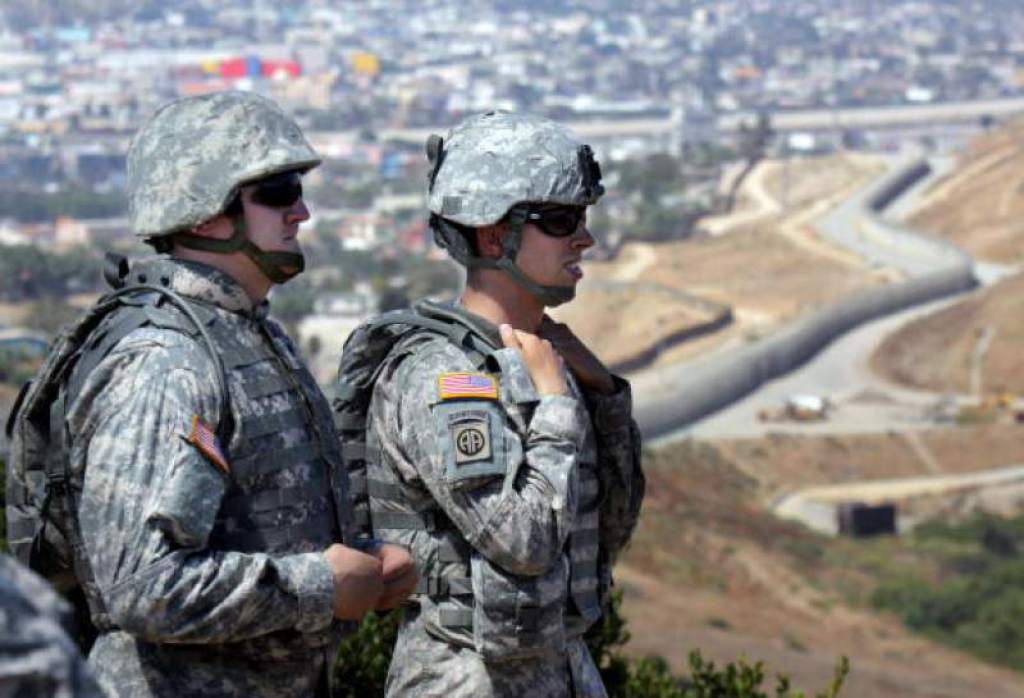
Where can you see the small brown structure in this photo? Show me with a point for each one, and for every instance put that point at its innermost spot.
(859, 520)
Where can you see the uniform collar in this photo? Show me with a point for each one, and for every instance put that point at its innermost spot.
(197, 281)
(454, 310)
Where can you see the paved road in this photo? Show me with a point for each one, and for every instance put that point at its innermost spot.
(864, 402)
(796, 120)
(816, 506)
(864, 117)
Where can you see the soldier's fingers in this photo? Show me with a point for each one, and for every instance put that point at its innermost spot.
(532, 344)
(397, 591)
(509, 336)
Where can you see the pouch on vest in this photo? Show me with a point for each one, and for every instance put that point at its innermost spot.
(515, 616)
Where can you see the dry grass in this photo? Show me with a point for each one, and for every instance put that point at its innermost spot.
(980, 206)
(769, 268)
(935, 352)
(616, 324)
(766, 277)
(807, 180)
(710, 568)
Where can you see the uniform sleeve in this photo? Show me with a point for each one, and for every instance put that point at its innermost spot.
(516, 506)
(37, 657)
(618, 455)
(150, 500)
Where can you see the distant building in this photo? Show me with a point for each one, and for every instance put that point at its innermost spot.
(859, 520)
(69, 232)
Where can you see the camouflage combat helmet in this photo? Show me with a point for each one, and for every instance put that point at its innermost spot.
(490, 163)
(186, 164)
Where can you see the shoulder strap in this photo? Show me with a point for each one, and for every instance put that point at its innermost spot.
(77, 351)
(465, 330)
(367, 351)
(192, 311)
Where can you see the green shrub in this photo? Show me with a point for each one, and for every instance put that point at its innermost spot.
(977, 604)
(362, 664)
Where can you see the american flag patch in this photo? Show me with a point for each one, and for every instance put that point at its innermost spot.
(203, 438)
(472, 385)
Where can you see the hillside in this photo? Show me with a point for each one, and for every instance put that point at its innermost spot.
(710, 567)
(764, 261)
(980, 205)
(981, 336)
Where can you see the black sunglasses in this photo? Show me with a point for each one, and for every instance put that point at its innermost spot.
(558, 221)
(278, 191)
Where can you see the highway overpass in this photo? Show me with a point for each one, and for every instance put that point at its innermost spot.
(898, 116)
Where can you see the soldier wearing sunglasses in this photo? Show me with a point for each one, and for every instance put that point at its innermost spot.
(500, 450)
(209, 516)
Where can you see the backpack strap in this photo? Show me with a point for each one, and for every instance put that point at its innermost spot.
(372, 345)
(111, 329)
(359, 370)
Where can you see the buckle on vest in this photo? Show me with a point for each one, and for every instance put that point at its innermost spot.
(528, 617)
(436, 585)
(432, 586)
(433, 520)
(56, 479)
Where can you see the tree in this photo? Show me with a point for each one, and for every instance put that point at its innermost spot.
(753, 144)
(50, 314)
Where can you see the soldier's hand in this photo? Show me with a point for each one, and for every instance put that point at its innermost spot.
(358, 581)
(542, 361)
(399, 574)
(591, 373)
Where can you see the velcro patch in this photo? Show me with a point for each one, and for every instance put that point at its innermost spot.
(467, 385)
(471, 439)
(451, 205)
(204, 439)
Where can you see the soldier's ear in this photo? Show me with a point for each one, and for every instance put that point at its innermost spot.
(489, 240)
(217, 228)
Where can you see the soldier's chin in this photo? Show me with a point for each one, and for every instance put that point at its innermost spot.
(566, 294)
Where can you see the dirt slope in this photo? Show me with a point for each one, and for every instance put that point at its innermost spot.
(709, 568)
(981, 204)
(983, 334)
(621, 322)
(765, 262)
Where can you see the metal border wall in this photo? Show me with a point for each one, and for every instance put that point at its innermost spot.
(704, 386)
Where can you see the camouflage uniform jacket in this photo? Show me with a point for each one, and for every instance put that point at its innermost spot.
(208, 556)
(37, 658)
(540, 506)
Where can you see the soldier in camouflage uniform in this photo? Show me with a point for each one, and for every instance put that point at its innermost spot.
(212, 505)
(514, 481)
(37, 658)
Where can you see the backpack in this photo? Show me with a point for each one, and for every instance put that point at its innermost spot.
(42, 494)
(363, 357)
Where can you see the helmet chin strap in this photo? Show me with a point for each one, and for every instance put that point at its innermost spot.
(276, 266)
(549, 296)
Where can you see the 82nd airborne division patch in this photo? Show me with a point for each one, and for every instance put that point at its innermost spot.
(471, 438)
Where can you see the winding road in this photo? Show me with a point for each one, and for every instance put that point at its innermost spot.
(863, 402)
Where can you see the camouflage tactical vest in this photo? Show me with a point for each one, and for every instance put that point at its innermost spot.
(467, 600)
(287, 491)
